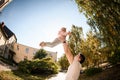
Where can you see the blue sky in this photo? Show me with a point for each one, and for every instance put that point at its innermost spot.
(34, 21)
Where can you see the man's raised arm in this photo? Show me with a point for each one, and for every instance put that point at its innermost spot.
(68, 53)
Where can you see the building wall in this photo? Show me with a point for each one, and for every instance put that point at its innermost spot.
(2, 41)
(23, 52)
(53, 55)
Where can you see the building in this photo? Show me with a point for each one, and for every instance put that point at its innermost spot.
(53, 55)
(26, 52)
(10, 49)
(7, 40)
(23, 52)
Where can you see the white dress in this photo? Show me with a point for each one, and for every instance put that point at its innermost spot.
(73, 71)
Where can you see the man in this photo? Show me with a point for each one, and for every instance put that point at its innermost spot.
(75, 63)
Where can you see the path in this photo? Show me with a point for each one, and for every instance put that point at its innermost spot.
(59, 76)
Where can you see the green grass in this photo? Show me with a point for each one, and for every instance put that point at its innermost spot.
(17, 75)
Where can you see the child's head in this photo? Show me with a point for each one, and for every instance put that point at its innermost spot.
(63, 29)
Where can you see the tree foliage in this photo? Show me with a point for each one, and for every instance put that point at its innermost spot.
(40, 54)
(90, 46)
(63, 62)
(39, 65)
(75, 39)
(103, 17)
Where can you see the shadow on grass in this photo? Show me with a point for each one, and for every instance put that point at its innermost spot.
(112, 73)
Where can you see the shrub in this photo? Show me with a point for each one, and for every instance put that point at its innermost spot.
(63, 62)
(92, 71)
(24, 66)
(39, 66)
(115, 57)
(40, 54)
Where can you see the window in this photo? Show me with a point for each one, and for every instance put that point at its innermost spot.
(27, 50)
(17, 47)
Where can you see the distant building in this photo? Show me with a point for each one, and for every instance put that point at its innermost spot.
(26, 52)
(23, 52)
(4, 3)
(53, 55)
(10, 49)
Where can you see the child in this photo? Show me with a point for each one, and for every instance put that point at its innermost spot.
(61, 37)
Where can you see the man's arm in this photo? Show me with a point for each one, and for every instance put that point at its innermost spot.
(68, 53)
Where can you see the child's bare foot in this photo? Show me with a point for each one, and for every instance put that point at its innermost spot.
(42, 44)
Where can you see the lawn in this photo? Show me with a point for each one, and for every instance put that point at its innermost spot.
(17, 75)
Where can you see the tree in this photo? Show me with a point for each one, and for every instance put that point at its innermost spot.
(40, 54)
(63, 62)
(89, 46)
(103, 17)
(75, 39)
(93, 46)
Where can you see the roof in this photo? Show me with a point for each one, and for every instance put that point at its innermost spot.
(4, 3)
(6, 31)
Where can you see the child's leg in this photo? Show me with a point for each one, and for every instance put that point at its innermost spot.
(52, 44)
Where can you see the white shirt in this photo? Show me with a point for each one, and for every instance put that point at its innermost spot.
(73, 70)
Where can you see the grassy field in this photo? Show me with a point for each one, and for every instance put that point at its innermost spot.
(17, 75)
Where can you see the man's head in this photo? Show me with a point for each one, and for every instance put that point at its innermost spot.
(82, 58)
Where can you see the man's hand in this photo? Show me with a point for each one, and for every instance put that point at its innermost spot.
(69, 33)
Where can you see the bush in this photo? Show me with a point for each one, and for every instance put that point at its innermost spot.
(40, 54)
(115, 58)
(39, 66)
(92, 71)
(24, 66)
(63, 62)
(44, 66)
